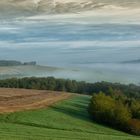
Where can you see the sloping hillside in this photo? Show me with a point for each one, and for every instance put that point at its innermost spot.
(67, 120)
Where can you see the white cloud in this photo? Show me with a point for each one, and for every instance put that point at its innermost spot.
(64, 45)
(110, 14)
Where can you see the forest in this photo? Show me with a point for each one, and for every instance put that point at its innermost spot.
(81, 87)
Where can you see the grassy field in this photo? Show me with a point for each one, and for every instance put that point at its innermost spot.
(66, 120)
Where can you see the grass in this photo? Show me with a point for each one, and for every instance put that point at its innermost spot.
(66, 120)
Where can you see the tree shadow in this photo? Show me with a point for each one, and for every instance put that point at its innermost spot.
(77, 110)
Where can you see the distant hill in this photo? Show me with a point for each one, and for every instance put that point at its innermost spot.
(15, 63)
(132, 61)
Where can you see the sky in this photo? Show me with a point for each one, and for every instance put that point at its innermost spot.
(98, 38)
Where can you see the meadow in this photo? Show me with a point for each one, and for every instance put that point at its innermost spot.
(65, 120)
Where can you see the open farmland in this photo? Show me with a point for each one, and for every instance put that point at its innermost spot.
(65, 120)
(12, 100)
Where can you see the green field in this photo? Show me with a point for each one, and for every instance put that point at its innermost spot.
(66, 120)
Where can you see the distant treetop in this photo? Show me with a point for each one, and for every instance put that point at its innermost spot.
(15, 63)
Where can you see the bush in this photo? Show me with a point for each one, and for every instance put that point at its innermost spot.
(134, 126)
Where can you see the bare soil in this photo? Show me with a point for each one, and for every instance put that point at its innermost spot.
(12, 100)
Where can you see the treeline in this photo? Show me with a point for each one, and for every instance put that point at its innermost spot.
(116, 110)
(15, 63)
(10, 63)
(51, 83)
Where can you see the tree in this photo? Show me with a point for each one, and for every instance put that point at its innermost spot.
(110, 111)
(101, 107)
(135, 108)
(121, 114)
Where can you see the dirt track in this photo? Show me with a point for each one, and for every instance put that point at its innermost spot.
(12, 100)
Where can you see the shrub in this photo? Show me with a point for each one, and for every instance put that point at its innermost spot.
(134, 126)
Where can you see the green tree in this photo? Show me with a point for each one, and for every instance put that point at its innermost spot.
(101, 107)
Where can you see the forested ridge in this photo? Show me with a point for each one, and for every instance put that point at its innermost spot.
(51, 83)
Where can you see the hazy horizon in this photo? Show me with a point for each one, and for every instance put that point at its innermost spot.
(97, 35)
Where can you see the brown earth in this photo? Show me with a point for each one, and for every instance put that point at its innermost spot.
(12, 100)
